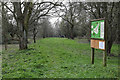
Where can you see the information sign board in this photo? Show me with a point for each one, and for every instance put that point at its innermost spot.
(97, 29)
(99, 38)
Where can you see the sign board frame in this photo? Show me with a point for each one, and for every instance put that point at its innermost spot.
(95, 20)
(98, 40)
(99, 43)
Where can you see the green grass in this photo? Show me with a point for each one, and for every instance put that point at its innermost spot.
(58, 58)
(0, 66)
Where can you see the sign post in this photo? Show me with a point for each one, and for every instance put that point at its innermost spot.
(92, 55)
(98, 38)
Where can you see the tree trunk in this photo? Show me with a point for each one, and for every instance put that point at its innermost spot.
(118, 38)
(4, 26)
(5, 42)
(34, 39)
(34, 35)
(109, 46)
(21, 45)
(23, 36)
(25, 39)
(72, 33)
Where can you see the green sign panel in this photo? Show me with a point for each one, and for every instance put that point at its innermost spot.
(97, 29)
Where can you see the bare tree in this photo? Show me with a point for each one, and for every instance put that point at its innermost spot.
(22, 19)
(4, 26)
(23, 13)
(33, 28)
(70, 16)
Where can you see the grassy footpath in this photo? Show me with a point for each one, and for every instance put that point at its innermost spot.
(0, 62)
(56, 58)
(0, 66)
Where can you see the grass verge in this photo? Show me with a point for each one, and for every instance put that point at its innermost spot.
(58, 58)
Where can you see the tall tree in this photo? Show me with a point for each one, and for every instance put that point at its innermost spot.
(22, 19)
(46, 28)
(70, 16)
(4, 26)
(23, 13)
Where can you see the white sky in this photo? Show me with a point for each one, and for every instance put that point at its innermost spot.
(53, 20)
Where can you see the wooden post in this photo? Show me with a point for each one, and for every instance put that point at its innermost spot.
(104, 58)
(92, 55)
(105, 51)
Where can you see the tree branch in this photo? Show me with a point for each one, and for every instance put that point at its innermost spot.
(10, 10)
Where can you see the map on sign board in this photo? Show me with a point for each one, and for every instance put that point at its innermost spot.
(97, 29)
(101, 45)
